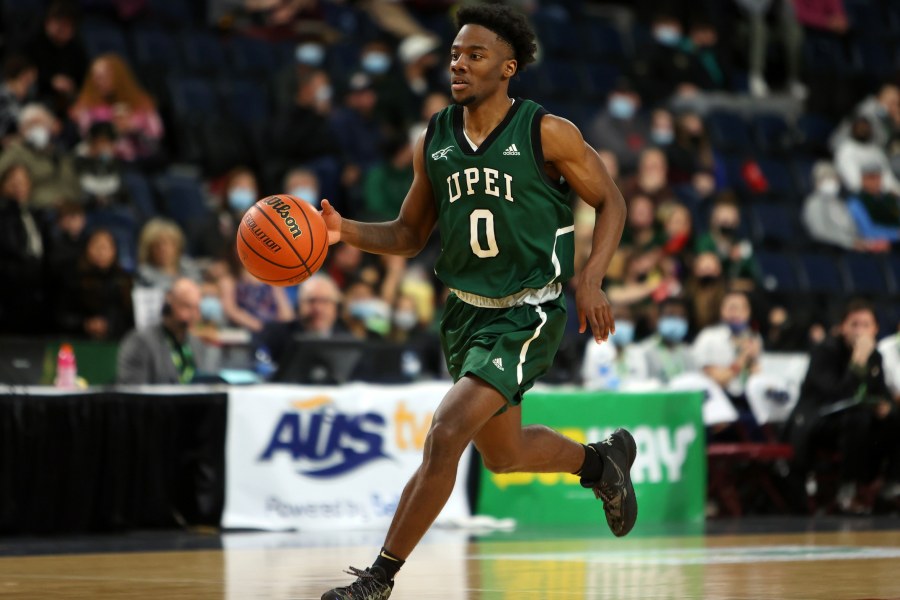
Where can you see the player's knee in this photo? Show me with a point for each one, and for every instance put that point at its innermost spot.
(444, 442)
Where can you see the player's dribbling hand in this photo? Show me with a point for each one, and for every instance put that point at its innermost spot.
(594, 309)
(333, 222)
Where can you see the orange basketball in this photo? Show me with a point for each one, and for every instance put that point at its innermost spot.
(282, 240)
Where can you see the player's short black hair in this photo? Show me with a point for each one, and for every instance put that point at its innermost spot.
(510, 25)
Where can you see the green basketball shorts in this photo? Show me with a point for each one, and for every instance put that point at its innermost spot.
(509, 348)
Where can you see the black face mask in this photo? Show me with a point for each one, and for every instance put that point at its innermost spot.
(707, 280)
(863, 137)
(729, 231)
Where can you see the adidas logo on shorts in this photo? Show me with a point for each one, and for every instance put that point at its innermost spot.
(511, 151)
(498, 362)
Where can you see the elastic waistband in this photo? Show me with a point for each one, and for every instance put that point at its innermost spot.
(530, 296)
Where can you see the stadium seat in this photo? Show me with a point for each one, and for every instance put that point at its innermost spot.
(249, 55)
(155, 48)
(893, 273)
(245, 100)
(821, 275)
(555, 33)
(778, 273)
(772, 133)
(225, 145)
(814, 131)
(140, 194)
(779, 178)
(342, 59)
(801, 167)
(728, 131)
(559, 79)
(865, 274)
(182, 199)
(823, 53)
(192, 98)
(100, 38)
(600, 79)
(202, 52)
(173, 13)
(774, 224)
(601, 40)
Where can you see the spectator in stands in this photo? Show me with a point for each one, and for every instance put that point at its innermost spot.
(303, 183)
(710, 69)
(161, 258)
(882, 110)
(99, 171)
(167, 353)
(309, 55)
(666, 353)
(611, 162)
(249, 303)
(787, 330)
(318, 316)
(889, 348)
(875, 210)
(706, 289)
(860, 150)
(52, 169)
(643, 276)
(95, 299)
(826, 16)
(385, 186)
(651, 179)
(396, 106)
(421, 65)
(22, 256)
(217, 234)
(827, 217)
(662, 128)
(723, 239)
(691, 154)
(19, 80)
(67, 238)
(642, 232)
(677, 226)
(728, 352)
(112, 94)
(358, 131)
(846, 405)
(621, 127)
(661, 66)
(422, 357)
(616, 365)
(756, 12)
(367, 316)
(59, 55)
(302, 133)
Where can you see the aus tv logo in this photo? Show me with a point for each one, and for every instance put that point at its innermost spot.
(324, 442)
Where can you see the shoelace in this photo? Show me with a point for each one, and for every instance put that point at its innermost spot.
(366, 582)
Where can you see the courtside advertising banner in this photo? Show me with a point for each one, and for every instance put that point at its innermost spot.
(327, 458)
(669, 473)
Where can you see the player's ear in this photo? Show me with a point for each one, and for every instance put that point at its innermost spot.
(510, 68)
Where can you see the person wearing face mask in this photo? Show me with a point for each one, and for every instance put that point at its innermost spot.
(882, 109)
(618, 365)
(384, 187)
(304, 184)
(422, 357)
(310, 54)
(860, 150)
(666, 352)
(214, 236)
(621, 127)
(723, 239)
(827, 217)
(358, 131)
(167, 353)
(19, 78)
(99, 171)
(52, 169)
(875, 210)
(367, 316)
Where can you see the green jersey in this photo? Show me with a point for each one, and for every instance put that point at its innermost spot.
(505, 225)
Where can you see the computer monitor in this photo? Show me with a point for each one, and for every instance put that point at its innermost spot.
(21, 361)
(334, 361)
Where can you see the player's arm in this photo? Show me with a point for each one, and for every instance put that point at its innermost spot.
(404, 236)
(566, 150)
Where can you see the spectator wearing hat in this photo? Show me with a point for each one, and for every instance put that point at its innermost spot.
(420, 65)
(875, 209)
(861, 150)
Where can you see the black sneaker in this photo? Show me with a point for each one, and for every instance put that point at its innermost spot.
(370, 584)
(615, 489)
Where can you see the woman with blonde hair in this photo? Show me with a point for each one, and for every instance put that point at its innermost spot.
(112, 94)
(161, 258)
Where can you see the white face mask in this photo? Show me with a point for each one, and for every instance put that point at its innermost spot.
(38, 136)
(830, 187)
(306, 193)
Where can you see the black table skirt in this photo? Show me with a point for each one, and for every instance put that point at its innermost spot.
(111, 460)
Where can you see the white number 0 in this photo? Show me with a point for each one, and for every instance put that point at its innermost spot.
(488, 216)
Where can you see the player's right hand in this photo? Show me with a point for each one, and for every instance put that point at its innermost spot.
(333, 221)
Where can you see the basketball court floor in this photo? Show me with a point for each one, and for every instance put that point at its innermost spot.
(752, 559)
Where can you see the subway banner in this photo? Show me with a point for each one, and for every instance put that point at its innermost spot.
(669, 473)
(326, 458)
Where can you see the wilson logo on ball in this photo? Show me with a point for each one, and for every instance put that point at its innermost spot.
(283, 210)
(261, 235)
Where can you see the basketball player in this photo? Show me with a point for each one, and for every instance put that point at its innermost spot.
(494, 173)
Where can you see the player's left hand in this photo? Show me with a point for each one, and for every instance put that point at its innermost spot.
(594, 309)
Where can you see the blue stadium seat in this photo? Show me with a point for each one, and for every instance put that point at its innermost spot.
(182, 199)
(893, 272)
(245, 100)
(728, 131)
(140, 193)
(778, 273)
(801, 168)
(602, 40)
(821, 274)
(559, 79)
(250, 55)
(192, 98)
(100, 38)
(773, 223)
(156, 48)
(175, 13)
(202, 52)
(779, 178)
(342, 59)
(870, 56)
(556, 34)
(823, 53)
(865, 274)
(600, 79)
(771, 132)
(814, 131)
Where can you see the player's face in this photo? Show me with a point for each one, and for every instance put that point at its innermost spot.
(480, 63)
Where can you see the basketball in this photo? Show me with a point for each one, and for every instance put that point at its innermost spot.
(282, 240)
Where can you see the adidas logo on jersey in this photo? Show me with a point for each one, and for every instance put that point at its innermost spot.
(498, 362)
(511, 151)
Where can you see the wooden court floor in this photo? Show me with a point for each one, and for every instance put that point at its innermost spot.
(834, 565)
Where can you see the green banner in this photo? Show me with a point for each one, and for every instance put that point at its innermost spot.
(669, 473)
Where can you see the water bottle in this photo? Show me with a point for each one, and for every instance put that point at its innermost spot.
(66, 371)
(265, 367)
